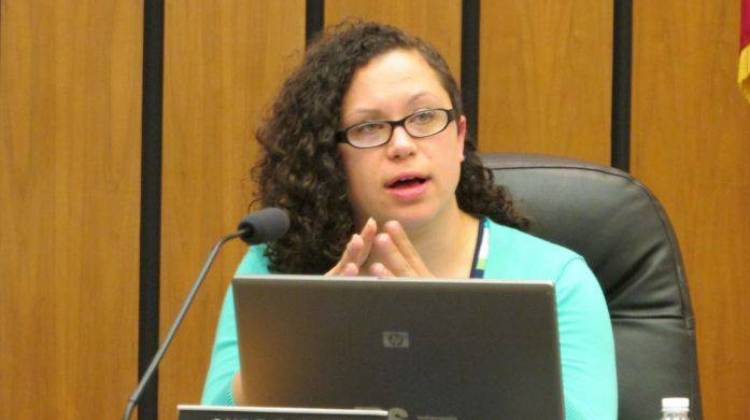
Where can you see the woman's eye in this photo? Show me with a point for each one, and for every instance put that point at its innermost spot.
(424, 117)
(365, 129)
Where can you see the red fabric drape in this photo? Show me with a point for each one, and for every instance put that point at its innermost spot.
(743, 75)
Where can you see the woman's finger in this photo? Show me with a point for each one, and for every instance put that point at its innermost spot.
(350, 255)
(350, 270)
(380, 271)
(386, 253)
(367, 235)
(406, 248)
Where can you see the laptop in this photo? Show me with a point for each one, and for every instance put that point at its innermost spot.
(421, 349)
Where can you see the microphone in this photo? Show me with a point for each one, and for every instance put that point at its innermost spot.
(262, 226)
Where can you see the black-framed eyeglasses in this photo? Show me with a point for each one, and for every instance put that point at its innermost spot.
(423, 123)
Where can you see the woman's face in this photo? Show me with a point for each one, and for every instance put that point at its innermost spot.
(412, 180)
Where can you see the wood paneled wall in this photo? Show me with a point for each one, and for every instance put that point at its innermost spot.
(691, 145)
(70, 97)
(223, 63)
(436, 21)
(70, 102)
(545, 77)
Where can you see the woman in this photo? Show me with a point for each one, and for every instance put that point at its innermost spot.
(367, 147)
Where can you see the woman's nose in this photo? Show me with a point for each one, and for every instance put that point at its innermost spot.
(401, 144)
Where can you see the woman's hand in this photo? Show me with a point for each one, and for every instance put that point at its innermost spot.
(386, 254)
(393, 254)
(238, 394)
(356, 252)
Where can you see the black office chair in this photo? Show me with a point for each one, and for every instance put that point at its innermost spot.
(622, 231)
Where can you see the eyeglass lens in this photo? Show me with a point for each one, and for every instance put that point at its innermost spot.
(420, 124)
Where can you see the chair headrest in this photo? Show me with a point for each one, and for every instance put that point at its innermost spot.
(608, 217)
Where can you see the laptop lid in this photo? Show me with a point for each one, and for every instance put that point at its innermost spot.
(423, 349)
(206, 412)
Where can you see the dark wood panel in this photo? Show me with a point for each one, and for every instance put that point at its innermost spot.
(545, 78)
(223, 63)
(436, 21)
(691, 144)
(70, 81)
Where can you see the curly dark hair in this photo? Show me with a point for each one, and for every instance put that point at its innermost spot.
(300, 169)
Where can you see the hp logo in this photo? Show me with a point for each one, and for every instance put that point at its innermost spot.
(396, 339)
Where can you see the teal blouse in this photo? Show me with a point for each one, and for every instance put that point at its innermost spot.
(586, 344)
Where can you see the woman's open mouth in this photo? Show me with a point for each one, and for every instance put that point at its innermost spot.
(408, 188)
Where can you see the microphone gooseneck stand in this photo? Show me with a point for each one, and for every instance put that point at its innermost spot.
(263, 225)
(170, 335)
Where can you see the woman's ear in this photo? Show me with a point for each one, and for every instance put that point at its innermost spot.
(461, 137)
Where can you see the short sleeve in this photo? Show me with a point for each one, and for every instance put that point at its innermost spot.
(586, 345)
(225, 361)
(225, 357)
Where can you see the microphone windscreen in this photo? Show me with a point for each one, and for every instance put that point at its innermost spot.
(264, 225)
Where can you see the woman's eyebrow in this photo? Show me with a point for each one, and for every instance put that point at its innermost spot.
(422, 95)
(417, 97)
(367, 111)
(378, 113)
(363, 114)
